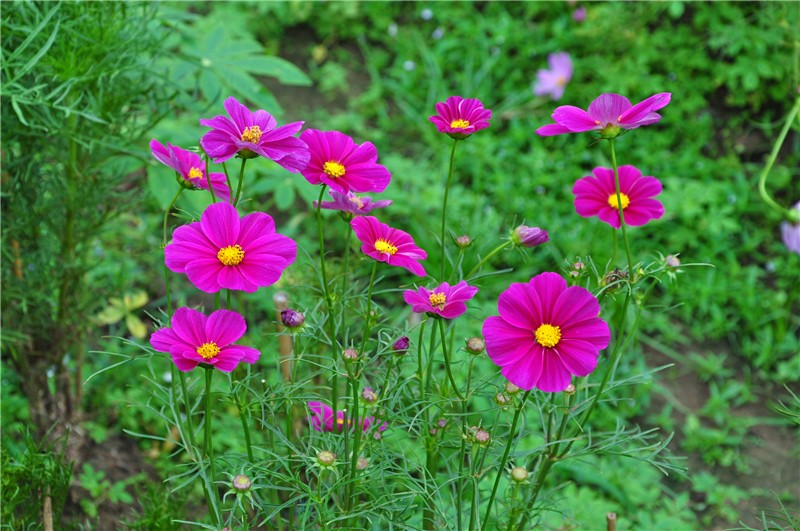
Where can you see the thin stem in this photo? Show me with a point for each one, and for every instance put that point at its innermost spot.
(328, 305)
(503, 461)
(208, 444)
(762, 180)
(447, 359)
(620, 209)
(166, 215)
(244, 413)
(463, 450)
(444, 205)
(208, 179)
(241, 182)
(227, 178)
(487, 257)
(190, 427)
(420, 369)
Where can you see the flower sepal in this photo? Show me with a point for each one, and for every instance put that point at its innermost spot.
(246, 154)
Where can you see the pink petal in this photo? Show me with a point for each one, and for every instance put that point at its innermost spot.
(641, 110)
(223, 327)
(607, 108)
(575, 304)
(555, 376)
(203, 274)
(594, 331)
(220, 223)
(548, 287)
(526, 371)
(506, 343)
(521, 306)
(575, 119)
(190, 326)
(578, 357)
(552, 130)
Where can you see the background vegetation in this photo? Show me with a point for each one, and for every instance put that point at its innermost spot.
(85, 86)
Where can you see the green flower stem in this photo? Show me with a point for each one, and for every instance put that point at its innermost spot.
(762, 180)
(487, 257)
(447, 359)
(462, 453)
(241, 182)
(190, 426)
(166, 215)
(228, 299)
(444, 205)
(501, 468)
(208, 180)
(208, 443)
(620, 209)
(420, 366)
(348, 240)
(244, 414)
(227, 177)
(550, 457)
(329, 306)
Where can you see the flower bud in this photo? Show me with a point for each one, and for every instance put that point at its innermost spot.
(482, 437)
(500, 399)
(613, 279)
(525, 236)
(442, 422)
(511, 388)
(519, 474)
(369, 396)
(377, 435)
(241, 483)
(292, 319)
(475, 345)
(362, 463)
(326, 459)
(401, 345)
(463, 241)
(570, 390)
(350, 354)
(672, 260)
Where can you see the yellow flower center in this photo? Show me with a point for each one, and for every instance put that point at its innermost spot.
(561, 81)
(208, 350)
(195, 173)
(382, 246)
(459, 124)
(612, 200)
(357, 201)
(548, 335)
(231, 255)
(251, 134)
(438, 300)
(334, 169)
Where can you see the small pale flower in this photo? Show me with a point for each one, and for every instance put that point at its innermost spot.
(790, 232)
(552, 82)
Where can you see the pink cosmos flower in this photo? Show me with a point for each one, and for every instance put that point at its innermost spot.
(545, 333)
(322, 419)
(790, 233)
(342, 164)
(389, 245)
(608, 113)
(596, 196)
(224, 251)
(459, 117)
(445, 300)
(191, 168)
(579, 15)
(250, 134)
(352, 204)
(554, 81)
(195, 338)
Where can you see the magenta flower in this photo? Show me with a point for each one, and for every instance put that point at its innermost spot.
(321, 419)
(459, 117)
(224, 251)
(552, 82)
(250, 134)
(596, 196)
(195, 338)
(525, 236)
(389, 245)
(790, 233)
(546, 333)
(352, 204)
(342, 164)
(445, 300)
(191, 168)
(608, 113)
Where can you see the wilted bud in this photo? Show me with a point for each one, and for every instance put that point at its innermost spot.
(463, 241)
(519, 474)
(350, 354)
(292, 318)
(475, 345)
(529, 236)
(401, 345)
(433, 431)
(672, 260)
(612, 278)
(511, 388)
(369, 396)
(362, 463)
(500, 399)
(326, 459)
(241, 483)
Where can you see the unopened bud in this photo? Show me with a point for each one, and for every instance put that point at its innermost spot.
(362, 463)
(442, 422)
(482, 437)
(401, 345)
(672, 260)
(613, 278)
(350, 354)
(241, 483)
(326, 458)
(511, 388)
(519, 474)
(475, 345)
(292, 318)
(570, 390)
(529, 236)
(463, 241)
(501, 399)
(369, 396)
